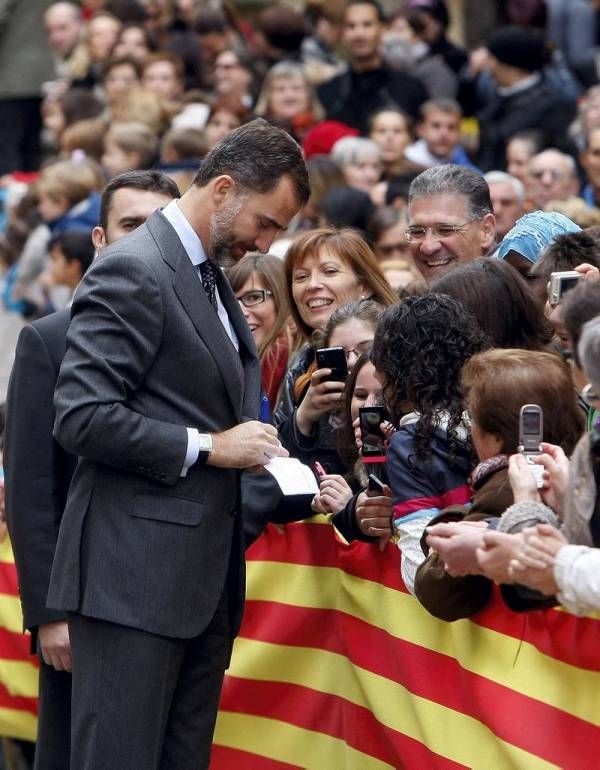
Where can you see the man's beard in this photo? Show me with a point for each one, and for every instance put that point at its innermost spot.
(222, 236)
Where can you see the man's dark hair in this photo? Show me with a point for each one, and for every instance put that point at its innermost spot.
(566, 252)
(149, 181)
(451, 179)
(76, 246)
(256, 156)
(373, 3)
(283, 27)
(580, 305)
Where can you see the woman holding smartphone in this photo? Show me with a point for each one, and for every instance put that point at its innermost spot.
(361, 508)
(309, 433)
(325, 269)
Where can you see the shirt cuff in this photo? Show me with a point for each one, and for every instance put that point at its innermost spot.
(193, 450)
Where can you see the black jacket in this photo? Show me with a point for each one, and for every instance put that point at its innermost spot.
(353, 97)
(37, 469)
(539, 107)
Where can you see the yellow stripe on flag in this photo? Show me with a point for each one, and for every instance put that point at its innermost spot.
(10, 613)
(6, 554)
(498, 657)
(287, 743)
(19, 677)
(442, 729)
(17, 724)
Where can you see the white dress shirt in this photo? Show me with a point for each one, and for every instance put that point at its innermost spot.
(195, 251)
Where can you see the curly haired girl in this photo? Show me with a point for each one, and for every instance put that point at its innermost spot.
(419, 349)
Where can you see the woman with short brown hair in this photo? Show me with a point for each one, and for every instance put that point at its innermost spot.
(497, 384)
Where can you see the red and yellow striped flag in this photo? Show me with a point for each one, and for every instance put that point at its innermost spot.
(18, 669)
(337, 666)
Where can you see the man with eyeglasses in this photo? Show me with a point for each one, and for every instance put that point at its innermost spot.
(553, 177)
(450, 219)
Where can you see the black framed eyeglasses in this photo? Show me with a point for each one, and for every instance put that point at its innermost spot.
(254, 297)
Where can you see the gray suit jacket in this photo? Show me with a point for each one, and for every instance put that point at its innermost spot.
(146, 357)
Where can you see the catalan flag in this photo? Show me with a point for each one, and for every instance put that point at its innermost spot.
(18, 668)
(338, 667)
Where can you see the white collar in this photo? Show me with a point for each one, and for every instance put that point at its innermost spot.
(522, 85)
(187, 235)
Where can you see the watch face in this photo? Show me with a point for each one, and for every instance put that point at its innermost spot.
(205, 442)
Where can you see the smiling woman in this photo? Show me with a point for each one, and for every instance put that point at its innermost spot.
(325, 269)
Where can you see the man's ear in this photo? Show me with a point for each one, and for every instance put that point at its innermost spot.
(488, 232)
(99, 238)
(223, 190)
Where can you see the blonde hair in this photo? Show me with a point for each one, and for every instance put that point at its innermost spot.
(70, 179)
(139, 105)
(576, 209)
(286, 69)
(135, 137)
(86, 135)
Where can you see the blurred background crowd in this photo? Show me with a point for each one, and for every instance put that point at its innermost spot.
(374, 94)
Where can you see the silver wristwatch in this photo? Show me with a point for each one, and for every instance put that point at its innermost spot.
(206, 446)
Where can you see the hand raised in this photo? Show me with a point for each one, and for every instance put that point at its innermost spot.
(321, 397)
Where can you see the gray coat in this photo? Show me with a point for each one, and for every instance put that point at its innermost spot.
(25, 61)
(146, 357)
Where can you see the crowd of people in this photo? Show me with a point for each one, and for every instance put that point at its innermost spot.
(325, 159)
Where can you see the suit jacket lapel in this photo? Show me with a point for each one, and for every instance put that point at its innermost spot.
(188, 288)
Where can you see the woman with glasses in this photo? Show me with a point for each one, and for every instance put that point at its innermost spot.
(258, 282)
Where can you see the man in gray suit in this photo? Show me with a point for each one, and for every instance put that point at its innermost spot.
(158, 394)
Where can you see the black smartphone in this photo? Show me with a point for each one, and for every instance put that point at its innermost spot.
(334, 359)
(373, 440)
(375, 484)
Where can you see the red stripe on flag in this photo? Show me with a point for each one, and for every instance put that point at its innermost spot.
(224, 758)
(522, 721)
(16, 646)
(557, 634)
(331, 715)
(8, 579)
(17, 702)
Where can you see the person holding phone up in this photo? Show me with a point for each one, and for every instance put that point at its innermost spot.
(309, 434)
(361, 502)
(325, 269)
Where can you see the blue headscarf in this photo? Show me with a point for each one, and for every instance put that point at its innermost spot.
(532, 233)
